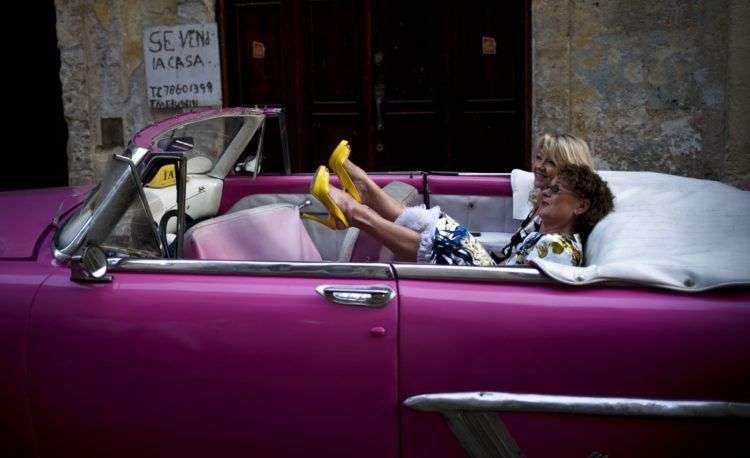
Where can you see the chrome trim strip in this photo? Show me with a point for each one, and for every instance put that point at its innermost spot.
(63, 255)
(483, 434)
(252, 268)
(467, 174)
(238, 114)
(181, 166)
(479, 401)
(520, 274)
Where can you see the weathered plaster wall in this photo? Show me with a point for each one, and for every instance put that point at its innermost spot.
(102, 74)
(653, 85)
(738, 95)
(658, 85)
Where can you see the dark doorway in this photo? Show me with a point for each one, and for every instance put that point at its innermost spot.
(35, 145)
(418, 85)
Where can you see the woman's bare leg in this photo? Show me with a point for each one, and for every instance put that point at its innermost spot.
(402, 241)
(373, 195)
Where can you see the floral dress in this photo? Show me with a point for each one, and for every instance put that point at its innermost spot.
(559, 248)
(453, 244)
(445, 241)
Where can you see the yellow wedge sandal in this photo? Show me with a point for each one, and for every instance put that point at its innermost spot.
(336, 163)
(319, 189)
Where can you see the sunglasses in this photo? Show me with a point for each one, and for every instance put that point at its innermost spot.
(556, 189)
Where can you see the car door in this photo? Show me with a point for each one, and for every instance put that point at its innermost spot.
(193, 358)
(500, 362)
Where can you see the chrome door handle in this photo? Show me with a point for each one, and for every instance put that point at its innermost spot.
(364, 295)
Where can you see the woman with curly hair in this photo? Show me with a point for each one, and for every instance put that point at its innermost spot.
(568, 207)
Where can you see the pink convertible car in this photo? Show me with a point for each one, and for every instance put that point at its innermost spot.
(183, 308)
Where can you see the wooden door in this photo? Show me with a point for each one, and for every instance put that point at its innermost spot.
(419, 85)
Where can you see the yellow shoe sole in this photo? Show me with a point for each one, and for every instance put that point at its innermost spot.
(336, 163)
(319, 188)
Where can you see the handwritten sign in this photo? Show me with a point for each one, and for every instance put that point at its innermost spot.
(182, 66)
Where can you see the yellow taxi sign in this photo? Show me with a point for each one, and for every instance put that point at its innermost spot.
(166, 176)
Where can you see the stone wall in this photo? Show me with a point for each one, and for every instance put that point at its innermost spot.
(102, 74)
(738, 94)
(653, 85)
(659, 85)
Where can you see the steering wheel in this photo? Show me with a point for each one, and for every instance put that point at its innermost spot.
(169, 214)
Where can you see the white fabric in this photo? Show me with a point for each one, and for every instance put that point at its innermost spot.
(421, 220)
(666, 231)
(521, 182)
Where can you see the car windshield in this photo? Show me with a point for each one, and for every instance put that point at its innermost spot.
(72, 232)
(218, 140)
(113, 214)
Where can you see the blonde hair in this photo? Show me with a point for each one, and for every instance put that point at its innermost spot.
(565, 149)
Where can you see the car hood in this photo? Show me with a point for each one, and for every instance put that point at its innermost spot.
(25, 215)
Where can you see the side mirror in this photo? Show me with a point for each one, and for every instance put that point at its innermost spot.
(178, 144)
(253, 162)
(90, 266)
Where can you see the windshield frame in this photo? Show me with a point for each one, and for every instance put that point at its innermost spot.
(104, 202)
(80, 225)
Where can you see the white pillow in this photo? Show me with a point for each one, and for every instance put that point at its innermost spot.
(522, 182)
(667, 231)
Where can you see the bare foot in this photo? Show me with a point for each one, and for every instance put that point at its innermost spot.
(343, 200)
(354, 211)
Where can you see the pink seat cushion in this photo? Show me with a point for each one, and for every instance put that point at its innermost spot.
(268, 233)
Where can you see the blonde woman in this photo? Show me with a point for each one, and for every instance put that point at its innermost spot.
(552, 152)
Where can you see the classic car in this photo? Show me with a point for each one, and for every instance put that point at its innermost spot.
(182, 308)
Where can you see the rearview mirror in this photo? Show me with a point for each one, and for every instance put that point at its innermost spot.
(178, 144)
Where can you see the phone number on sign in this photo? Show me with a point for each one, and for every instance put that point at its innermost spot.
(180, 89)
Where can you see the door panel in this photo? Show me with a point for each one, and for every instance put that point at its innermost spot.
(260, 48)
(418, 85)
(190, 365)
(328, 129)
(412, 141)
(489, 83)
(608, 342)
(478, 129)
(335, 82)
(19, 282)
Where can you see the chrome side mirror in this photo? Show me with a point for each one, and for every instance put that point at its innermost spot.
(90, 266)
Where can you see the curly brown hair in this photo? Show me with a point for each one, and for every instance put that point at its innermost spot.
(587, 184)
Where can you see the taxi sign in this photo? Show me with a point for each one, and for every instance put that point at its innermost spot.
(166, 176)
